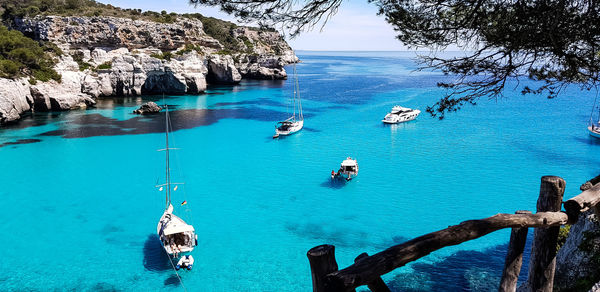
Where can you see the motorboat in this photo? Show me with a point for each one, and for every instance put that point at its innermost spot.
(400, 114)
(296, 121)
(348, 169)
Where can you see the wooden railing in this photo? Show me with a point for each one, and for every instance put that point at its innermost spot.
(367, 270)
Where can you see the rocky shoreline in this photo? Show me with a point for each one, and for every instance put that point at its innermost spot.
(108, 56)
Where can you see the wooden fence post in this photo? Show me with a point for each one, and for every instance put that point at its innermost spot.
(514, 258)
(322, 262)
(543, 250)
(378, 285)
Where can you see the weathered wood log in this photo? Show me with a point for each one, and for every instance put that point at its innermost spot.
(378, 285)
(370, 268)
(543, 249)
(590, 183)
(322, 262)
(514, 258)
(582, 202)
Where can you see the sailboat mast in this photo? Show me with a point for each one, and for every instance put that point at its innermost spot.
(297, 93)
(167, 169)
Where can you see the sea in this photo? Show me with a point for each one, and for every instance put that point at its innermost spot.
(80, 204)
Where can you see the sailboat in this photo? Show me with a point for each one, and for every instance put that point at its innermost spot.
(294, 123)
(175, 234)
(594, 127)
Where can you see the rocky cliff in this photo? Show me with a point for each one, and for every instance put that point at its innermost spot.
(108, 56)
(578, 259)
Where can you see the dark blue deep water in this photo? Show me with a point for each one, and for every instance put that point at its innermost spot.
(80, 208)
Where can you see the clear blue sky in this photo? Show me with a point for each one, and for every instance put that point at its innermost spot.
(356, 26)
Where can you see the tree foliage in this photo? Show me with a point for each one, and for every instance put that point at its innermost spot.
(551, 41)
(22, 56)
(22, 8)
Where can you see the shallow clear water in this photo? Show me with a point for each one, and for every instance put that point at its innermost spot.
(80, 208)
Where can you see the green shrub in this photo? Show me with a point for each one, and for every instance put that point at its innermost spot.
(21, 56)
(73, 4)
(84, 65)
(46, 74)
(162, 56)
(52, 48)
(563, 233)
(218, 29)
(224, 52)
(188, 48)
(9, 68)
(105, 65)
(33, 10)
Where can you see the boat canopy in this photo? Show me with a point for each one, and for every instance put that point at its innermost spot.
(400, 108)
(174, 228)
(349, 162)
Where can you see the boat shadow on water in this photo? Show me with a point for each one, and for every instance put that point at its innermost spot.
(335, 183)
(588, 140)
(155, 258)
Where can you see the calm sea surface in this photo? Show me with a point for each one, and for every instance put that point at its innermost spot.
(79, 206)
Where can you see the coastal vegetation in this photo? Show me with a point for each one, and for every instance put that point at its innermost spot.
(32, 8)
(216, 28)
(162, 56)
(563, 233)
(21, 56)
(553, 42)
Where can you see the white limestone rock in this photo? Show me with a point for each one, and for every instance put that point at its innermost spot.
(221, 70)
(15, 99)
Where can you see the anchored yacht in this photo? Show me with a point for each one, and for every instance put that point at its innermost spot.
(348, 169)
(294, 123)
(401, 114)
(175, 234)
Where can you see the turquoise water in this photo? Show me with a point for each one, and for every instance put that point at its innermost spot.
(80, 208)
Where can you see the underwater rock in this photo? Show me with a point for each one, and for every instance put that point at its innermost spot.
(148, 108)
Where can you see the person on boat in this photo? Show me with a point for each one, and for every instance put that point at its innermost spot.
(332, 172)
(174, 249)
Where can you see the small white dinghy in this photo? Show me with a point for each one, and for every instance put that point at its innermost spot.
(185, 262)
(401, 114)
(348, 169)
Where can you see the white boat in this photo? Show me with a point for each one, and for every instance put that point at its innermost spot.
(174, 233)
(400, 114)
(186, 262)
(348, 169)
(294, 123)
(288, 127)
(594, 130)
(594, 126)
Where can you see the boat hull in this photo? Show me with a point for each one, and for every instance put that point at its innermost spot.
(291, 130)
(594, 132)
(348, 176)
(398, 121)
(392, 118)
(169, 221)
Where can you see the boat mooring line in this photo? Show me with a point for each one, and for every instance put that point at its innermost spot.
(175, 270)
